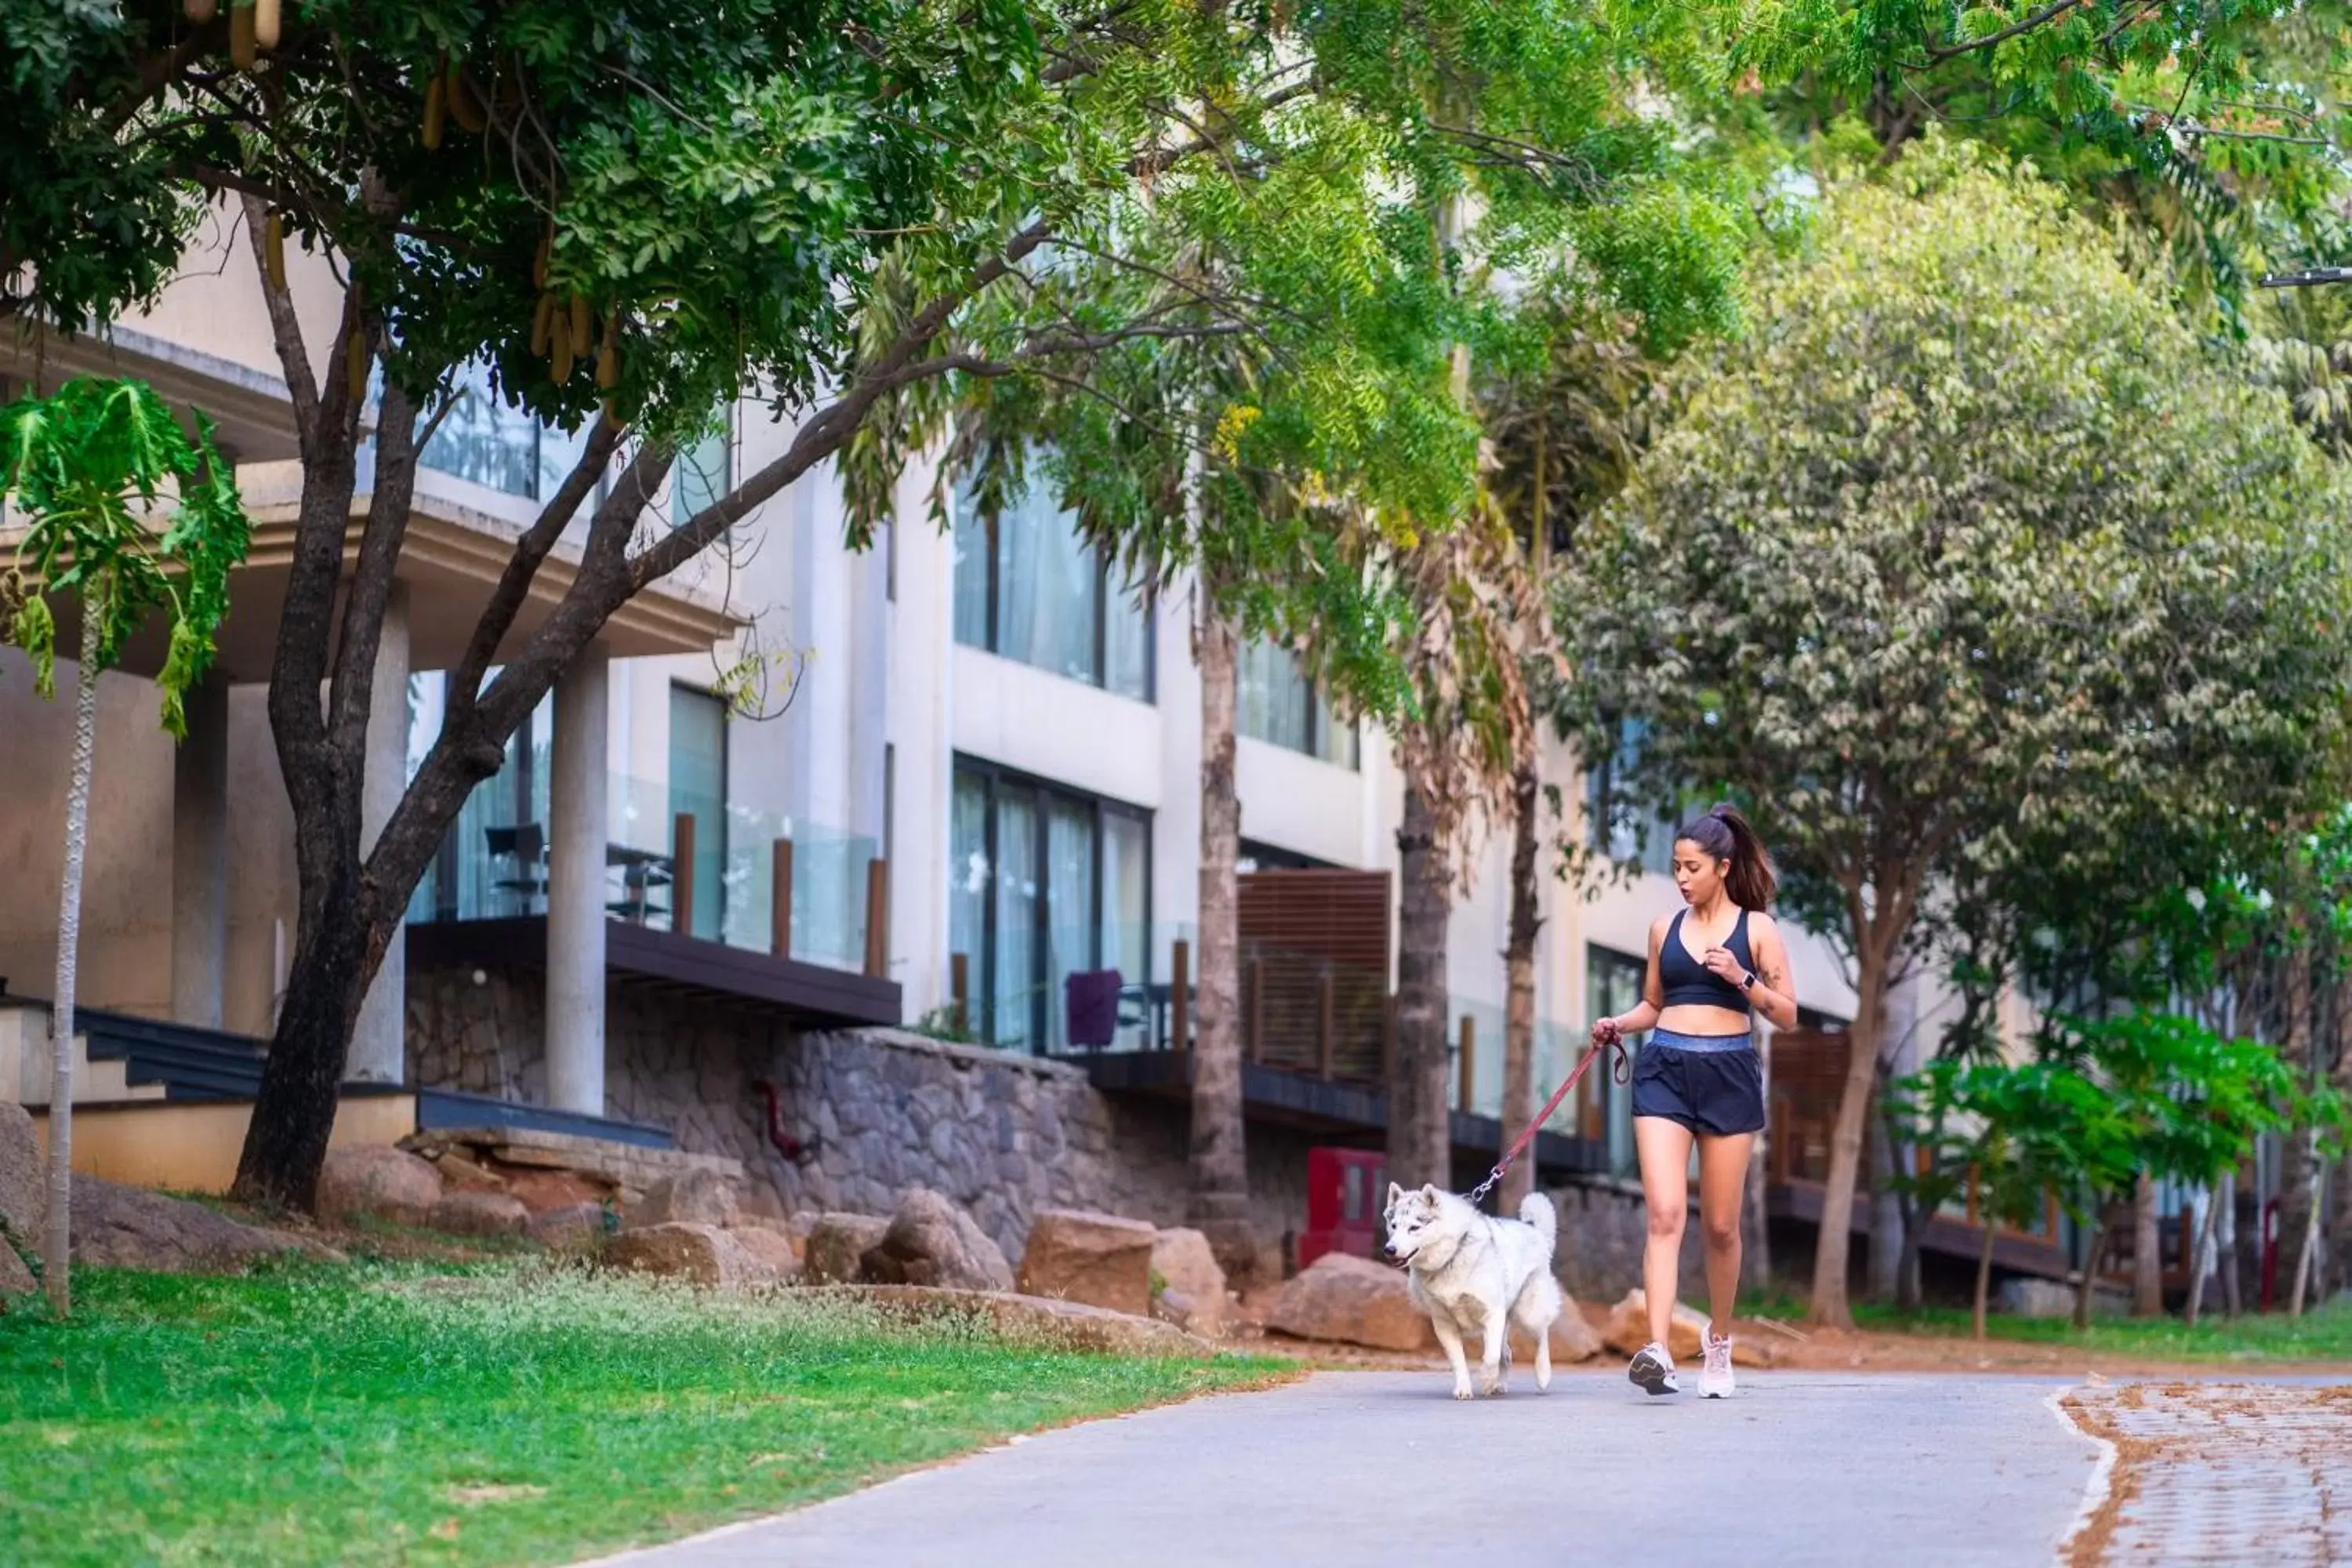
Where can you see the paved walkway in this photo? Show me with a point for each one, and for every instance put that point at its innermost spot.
(1382, 1470)
(2206, 1469)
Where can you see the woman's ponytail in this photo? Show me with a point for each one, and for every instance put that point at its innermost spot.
(1728, 837)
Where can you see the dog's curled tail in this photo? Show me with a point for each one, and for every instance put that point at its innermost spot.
(1539, 1212)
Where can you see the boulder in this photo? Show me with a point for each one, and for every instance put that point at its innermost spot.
(15, 1278)
(773, 1247)
(388, 1184)
(836, 1247)
(930, 1241)
(801, 1226)
(23, 1193)
(540, 1191)
(1074, 1254)
(1175, 1307)
(126, 1227)
(1572, 1340)
(1185, 1266)
(2027, 1297)
(700, 1253)
(1352, 1299)
(458, 1171)
(575, 1228)
(1030, 1319)
(1628, 1329)
(478, 1211)
(694, 1196)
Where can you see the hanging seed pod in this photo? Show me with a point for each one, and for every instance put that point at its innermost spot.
(436, 101)
(356, 365)
(541, 320)
(561, 366)
(200, 11)
(580, 326)
(466, 104)
(539, 262)
(242, 49)
(269, 16)
(273, 250)
(608, 356)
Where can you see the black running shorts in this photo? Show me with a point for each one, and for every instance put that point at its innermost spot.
(1715, 1089)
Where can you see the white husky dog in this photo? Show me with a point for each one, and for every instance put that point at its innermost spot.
(1477, 1275)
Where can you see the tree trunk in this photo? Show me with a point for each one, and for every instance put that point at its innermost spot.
(2147, 1252)
(2225, 1242)
(2339, 1228)
(1220, 1198)
(286, 1143)
(2307, 1243)
(2297, 1192)
(1834, 1245)
(1757, 1242)
(56, 1235)
(1519, 1090)
(2091, 1244)
(1420, 1123)
(2202, 1258)
(1984, 1275)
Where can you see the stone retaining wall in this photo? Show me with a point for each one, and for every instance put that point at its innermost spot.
(1004, 1135)
(1603, 1227)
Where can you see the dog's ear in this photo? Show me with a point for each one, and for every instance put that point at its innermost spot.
(1395, 1193)
(1430, 1192)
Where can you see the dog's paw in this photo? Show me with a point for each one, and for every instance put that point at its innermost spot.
(1490, 1387)
(1462, 1391)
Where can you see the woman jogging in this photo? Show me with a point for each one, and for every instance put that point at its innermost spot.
(1711, 964)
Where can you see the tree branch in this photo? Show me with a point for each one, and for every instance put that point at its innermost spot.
(2043, 17)
(523, 567)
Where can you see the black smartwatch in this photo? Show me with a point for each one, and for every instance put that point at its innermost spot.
(1748, 983)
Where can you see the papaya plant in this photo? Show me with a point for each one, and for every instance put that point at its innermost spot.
(125, 515)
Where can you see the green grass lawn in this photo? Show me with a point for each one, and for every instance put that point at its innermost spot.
(2321, 1334)
(378, 1414)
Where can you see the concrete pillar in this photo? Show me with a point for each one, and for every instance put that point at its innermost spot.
(575, 891)
(379, 1051)
(200, 860)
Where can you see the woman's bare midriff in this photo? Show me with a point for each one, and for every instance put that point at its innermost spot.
(1692, 1018)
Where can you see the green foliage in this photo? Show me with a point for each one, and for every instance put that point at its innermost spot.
(2212, 125)
(2022, 1130)
(93, 467)
(2317, 1337)
(378, 1414)
(1970, 563)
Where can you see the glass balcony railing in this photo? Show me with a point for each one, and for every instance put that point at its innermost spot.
(673, 860)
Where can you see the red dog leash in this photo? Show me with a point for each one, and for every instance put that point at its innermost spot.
(1618, 1071)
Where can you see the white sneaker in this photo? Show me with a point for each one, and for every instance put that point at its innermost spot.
(1654, 1370)
(1714, 1373)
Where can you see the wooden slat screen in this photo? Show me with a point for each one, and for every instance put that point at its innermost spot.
(1298, 928)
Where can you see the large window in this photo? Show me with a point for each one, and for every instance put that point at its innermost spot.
(698, 788)
(1280, 705)
(1618, 827)
(1612, 986)
(487, 439)
(1029, 587)
(1045, 882)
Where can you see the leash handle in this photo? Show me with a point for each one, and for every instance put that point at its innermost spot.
(1619, 1070)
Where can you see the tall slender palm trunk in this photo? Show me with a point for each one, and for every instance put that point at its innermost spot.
(1420, 1121)
(1520, 1088)
(1220, 1198)
(56, 1238)
(2298, 1191)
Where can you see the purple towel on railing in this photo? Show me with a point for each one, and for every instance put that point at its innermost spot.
(1092, 997)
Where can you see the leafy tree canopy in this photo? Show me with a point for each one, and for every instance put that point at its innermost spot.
(1970, 557)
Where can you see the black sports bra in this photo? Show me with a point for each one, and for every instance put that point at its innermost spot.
(1688, 982)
